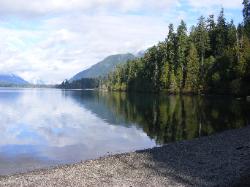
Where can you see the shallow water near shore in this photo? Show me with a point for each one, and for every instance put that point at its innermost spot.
(46, 127)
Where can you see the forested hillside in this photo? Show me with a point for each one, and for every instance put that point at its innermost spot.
(12, 80)
(214, 57)
(104, 67)
(84, 83)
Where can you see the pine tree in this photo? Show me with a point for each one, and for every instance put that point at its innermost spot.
(211, 28)
(171, 49)
(221, 34)
(232, 35)
(214, 57)
(182, 40)
(165, 76)
(192, 81)
(246, 15)
(202, 39)
(202, 44)
(171, 44)
(246, 11)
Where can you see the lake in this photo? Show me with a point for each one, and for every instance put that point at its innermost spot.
(46, 127)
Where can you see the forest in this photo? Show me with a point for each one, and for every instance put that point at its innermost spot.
(213, 57)
(85, 83)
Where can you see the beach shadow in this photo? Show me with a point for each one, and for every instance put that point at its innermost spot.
(218, 160)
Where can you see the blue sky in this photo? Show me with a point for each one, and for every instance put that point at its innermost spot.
(51, 40)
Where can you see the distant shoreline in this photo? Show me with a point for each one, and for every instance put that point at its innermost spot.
(27, 86)
(218, 160)
(247, 97)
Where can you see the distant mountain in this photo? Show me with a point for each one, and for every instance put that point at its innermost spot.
(11, 79)
(104, 67)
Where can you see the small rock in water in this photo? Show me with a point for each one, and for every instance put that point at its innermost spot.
(248, 98)
(238, 148)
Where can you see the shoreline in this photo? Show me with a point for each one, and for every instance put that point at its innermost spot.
(217, 160)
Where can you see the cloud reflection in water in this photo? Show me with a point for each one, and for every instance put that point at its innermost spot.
(41, 127)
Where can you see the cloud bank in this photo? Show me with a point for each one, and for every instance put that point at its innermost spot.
(51, 40)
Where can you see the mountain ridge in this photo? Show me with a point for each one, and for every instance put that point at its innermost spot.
(12, 79)
(103, 67)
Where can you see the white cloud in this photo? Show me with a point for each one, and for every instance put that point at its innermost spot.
(59, 6)
(56, 120)
(66, 45)
(231, 4)
(54, 39)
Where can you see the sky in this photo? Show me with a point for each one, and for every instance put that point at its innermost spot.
(52, 40)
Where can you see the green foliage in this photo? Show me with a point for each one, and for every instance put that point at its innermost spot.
(182, 44)
(192, 81)
(86, 83)
(246, 15)
(202, 39)
(171, 118)
(213, 58)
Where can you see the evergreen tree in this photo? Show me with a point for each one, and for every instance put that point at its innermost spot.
(246, 16)
(182, 40)
(221, 34)
(192, 81)
(171, 49)
(211, 28)
(202, 39)
(232, 35)
(213, 57)
(246, 11)
(165, 76)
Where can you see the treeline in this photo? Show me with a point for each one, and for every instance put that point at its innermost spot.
(85, 83)
(214, 57)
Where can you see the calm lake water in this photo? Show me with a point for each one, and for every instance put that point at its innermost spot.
(46, 127)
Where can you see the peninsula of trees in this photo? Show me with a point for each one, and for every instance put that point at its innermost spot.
(214, 57)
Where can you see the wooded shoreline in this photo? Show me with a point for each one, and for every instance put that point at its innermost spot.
(210, 57)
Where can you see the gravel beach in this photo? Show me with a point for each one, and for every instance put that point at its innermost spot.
(218, 160)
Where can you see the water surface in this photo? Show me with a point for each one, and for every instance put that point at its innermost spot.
(45, 127)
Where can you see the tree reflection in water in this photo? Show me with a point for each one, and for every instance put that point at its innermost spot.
(168, 118)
